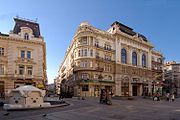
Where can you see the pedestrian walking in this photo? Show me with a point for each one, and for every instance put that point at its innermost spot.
(167, 96)
(158, 96)
(172, 97)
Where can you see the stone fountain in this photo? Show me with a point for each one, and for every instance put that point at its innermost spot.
(26, 97)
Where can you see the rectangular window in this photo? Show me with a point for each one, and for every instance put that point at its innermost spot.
(74, 54)
(84, 40)
(85, 88)
(91, 52)
(79, 53)
(1, 51)
(29, 70)
(97, 43)
(85, 76)
(22, 54)
(91, 38)
(28, 54)
(21, 69)
(97, 55)
(85, 64)
(1, 69)
(85, 52)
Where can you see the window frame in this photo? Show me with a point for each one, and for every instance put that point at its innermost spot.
(2, 69)
(26, 36)
(134, 58)
(1, 51)
(123, 56)
(21, 69)
(28, 54)
(23, 54)
(144, 60)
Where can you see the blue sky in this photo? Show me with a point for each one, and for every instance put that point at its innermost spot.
(158, 20)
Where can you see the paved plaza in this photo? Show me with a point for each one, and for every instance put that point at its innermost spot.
(90, 109)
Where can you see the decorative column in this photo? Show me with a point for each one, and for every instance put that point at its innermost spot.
(149, 59)
(118, 50)
(129, 56)
(130, 88)
(140, 58)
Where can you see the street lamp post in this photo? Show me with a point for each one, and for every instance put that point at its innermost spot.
(100, 80)
(100, 77)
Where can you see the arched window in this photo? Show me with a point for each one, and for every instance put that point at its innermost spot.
(134, 58)
(159, 60)
(26, 36)
(123, 56)
(143, 60)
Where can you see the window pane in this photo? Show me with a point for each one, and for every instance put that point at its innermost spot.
(134, 58)
(1, 51)
(21, 69)
(22, 54)
(123, 56)
(143, 60)
(26, 36)
(28, 54)
(1, 69)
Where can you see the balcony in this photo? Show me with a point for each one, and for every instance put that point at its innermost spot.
(99, 69)
(107, 81)
(83, 68)
(19, 60)
(25, 76)
(157, 70)
(156, 63)
(97, 82)
(104, 48)
(103, 59)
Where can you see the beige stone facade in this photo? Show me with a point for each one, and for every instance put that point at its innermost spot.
(118, 59)
(22, 57)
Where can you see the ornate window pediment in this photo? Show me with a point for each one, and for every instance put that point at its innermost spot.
(26, 33)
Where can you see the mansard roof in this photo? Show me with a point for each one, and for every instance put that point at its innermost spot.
(125, 29)
(120, 24)
(26, 23)
(2, 34)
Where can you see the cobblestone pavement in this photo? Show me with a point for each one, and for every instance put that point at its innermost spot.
(90, 109)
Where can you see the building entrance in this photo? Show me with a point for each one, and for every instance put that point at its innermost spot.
(2, 90)
(134, 89)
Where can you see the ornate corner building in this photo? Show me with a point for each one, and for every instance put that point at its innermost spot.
(22, 57)
(118, 59)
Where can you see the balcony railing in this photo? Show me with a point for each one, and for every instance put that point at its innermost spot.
(83, 68)
(26, 76)
(156, 62)
(96, 81)
(25, 59)
(157, 70)
(99, 69)
(104, 48)
(104, 59)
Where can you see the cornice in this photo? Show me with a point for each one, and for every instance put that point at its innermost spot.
(133, 39)
(21, 40)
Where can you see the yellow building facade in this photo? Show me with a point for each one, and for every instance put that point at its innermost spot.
(22, 57)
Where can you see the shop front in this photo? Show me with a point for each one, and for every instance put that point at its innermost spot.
(92, 89)
(2, 94)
